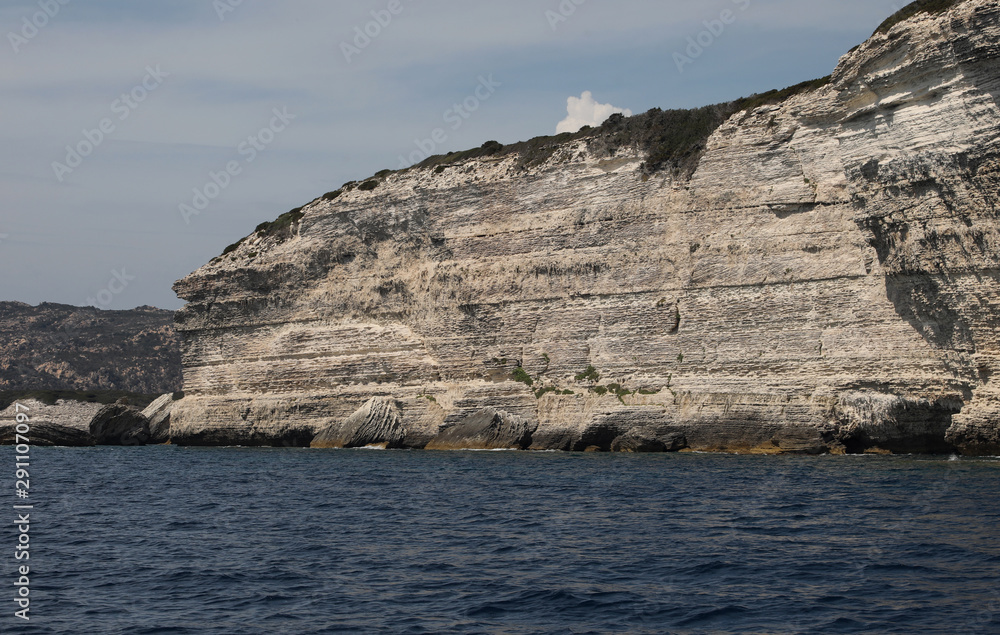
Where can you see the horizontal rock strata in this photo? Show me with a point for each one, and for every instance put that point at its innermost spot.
(72, 414)
(826, 280)
(44, 434)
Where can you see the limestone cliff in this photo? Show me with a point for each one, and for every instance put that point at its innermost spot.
(823, 277)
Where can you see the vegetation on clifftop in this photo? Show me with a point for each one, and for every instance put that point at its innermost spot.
(932, 7)
(280, 227)
(673, 140)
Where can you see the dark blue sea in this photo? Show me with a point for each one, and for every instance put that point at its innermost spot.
(228, 541)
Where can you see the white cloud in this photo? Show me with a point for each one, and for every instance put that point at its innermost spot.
(585, 111)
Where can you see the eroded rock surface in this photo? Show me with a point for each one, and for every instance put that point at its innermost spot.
(68, 413)
(120, 424)
(158, 414)
(44, 433)
(648, 440)
(488, 429)
(377, 423)
(827, 277)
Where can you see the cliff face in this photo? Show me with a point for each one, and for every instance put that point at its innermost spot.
(827, 279)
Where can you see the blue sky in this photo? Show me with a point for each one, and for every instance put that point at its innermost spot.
(211, 73)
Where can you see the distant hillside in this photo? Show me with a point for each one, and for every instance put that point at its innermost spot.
(61, 347)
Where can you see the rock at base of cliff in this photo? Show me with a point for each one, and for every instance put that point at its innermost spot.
(377, 423)
(487, 429)
(976, 431)
(804, 441)
(120, 424)
(647, 440)
(158, 414)
(48, 434)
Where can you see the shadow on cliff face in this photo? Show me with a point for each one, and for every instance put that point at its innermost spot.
(932, 224)
(611, 437)
(597, 438)
(893, 424)
(924, 303)
(933, 248)
(950, 312)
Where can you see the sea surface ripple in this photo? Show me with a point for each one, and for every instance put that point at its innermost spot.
(164, 539)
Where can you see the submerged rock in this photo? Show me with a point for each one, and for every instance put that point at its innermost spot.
(488, 429)
(44, 433)
(120, 424)
(802, 441)
(375, 423)
(647, 440)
